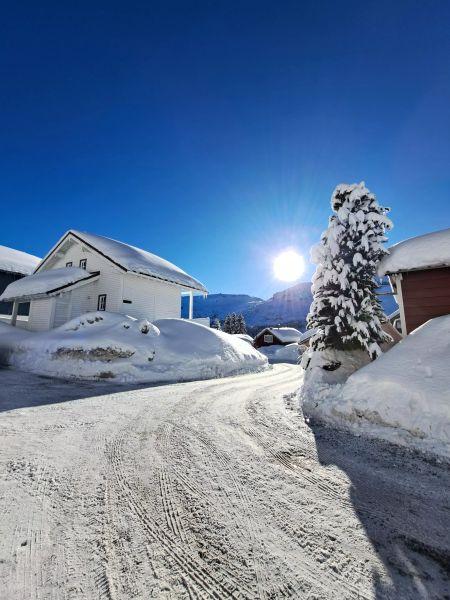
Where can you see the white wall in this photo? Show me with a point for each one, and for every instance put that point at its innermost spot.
(41, 314)
(110, 281)
(150, 298)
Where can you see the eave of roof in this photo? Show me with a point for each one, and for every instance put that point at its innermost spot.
(54, 291)
(76, 235)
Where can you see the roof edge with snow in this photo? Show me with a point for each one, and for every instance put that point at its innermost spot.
(178, 277)
(40, 285)
(17, 261)
(284, 334)
(428, 251)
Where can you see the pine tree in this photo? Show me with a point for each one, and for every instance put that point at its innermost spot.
(345, 309)
(240, 324)
(216, 324)
(234, 324)
(227, 324)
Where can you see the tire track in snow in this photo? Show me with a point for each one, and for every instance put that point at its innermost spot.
(171, 513)
(194, 569)
(309, 567)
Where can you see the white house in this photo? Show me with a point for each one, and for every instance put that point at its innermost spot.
(85, 272)
(14, 265)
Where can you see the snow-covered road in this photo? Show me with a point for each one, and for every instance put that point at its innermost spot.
(212, 489)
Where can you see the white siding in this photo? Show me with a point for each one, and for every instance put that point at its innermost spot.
(84, 299)
(62, 309)
(41, 314)
(110, 281)
(150, 299)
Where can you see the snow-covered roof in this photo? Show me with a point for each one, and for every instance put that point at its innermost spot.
(45, 283)
(428, 251)
(135, 260)
(284, 334)
(307, 335)
(394, 314)
(15, 261)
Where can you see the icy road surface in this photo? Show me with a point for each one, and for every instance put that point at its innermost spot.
(213, 489)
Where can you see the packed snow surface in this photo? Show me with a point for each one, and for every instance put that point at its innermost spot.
(43, 282)
(112, 346)
(139, 261)
(431, 250)
(210, 489)
(403, 396)
(15, 261)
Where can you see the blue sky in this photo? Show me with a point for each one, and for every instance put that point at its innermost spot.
(213, 133)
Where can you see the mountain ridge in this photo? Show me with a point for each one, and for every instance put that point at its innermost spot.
(287, 307)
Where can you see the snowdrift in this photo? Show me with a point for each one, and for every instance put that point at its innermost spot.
(403, 396)
(277, 353)
(104, 345)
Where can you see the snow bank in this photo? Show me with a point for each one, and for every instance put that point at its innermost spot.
(431, 250)
(110, 346)
(244, 336)
(15, 261)
(277, 353)
(403, 396)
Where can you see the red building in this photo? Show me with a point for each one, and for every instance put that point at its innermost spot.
(419, 272)
(276, 336)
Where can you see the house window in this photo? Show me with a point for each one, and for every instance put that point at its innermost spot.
(101, 304)
(83, 262)
(127, 301)
(268, 339)
(69, 264)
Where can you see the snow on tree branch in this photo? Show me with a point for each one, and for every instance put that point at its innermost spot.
(345, 309)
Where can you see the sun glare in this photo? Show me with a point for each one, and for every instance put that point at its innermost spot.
(288, 266)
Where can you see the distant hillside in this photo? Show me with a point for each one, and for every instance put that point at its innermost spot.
(288, 307)
(218, 306)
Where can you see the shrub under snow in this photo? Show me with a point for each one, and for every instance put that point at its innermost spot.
(112, 346)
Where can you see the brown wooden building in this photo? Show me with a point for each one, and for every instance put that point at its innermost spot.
(279, 336)
(419, 272)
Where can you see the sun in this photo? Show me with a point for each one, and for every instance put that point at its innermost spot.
(288, 266)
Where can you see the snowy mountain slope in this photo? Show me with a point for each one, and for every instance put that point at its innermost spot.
(289, 306)
(218, 306)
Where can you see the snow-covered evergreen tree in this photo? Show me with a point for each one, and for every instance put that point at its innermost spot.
(345, 309)
(229, 323)
(240, 324)
(216, 324)
(234, 323)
